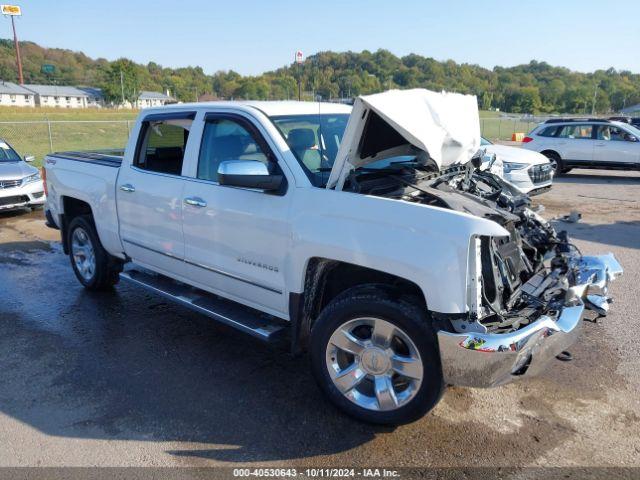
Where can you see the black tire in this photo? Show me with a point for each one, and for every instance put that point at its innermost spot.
(414, 321)
(556, 161)
(107, 267)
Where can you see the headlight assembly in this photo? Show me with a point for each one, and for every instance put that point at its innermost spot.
(509, 166)
(31, 178)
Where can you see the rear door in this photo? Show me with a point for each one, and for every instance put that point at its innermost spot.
(149, 193)
(236, 239)
(576, 143)
(614, 147)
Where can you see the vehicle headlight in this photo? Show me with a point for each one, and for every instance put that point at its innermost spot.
(509, 166)
(31, 178)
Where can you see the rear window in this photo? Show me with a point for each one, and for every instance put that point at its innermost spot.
(549, 131)
(163, 145)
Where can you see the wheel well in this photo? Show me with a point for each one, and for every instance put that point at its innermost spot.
(72, 208)
(325, 279)
(546, 153)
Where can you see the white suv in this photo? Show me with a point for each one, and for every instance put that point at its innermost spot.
(586, 143)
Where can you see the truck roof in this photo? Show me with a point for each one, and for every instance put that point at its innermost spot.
(269, 108)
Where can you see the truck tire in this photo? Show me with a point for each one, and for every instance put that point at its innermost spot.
(376, 356)
(92, 264)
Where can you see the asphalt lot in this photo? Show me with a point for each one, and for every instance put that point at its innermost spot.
(126, 379)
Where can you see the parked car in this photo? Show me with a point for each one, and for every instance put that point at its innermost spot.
(586, 143)
(20, 183)
(635, 121)
(530, 171)
(368, 237)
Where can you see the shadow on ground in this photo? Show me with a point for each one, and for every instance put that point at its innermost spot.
(622, 234)
(601, 178)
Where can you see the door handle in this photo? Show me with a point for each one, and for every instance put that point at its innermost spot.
(127, 187)
(195, 202)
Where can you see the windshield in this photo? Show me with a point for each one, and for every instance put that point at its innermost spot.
(315, 140)
(633, 129)
(484, 142)
(8, 154)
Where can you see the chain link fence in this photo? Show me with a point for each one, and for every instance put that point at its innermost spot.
(39, 138)
(503, 128)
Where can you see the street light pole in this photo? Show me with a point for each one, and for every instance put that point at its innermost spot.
(18, 60)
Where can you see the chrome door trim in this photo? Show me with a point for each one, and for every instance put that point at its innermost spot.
(206, 267)
(231, 275)
(166, 254)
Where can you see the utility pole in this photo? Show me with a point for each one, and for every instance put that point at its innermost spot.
(19, 60)
(595, 96)
(122, 86)
(15, 11)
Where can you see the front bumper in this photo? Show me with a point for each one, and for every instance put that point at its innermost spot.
(522, 180)
(491, 359)
(29, 195)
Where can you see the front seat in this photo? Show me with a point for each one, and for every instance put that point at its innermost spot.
(301, 141)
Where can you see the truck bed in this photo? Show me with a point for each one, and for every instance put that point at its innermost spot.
(108, 158)
(89, 177)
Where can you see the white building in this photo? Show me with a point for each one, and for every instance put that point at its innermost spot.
(13, 95)
(153, 99)
(65, 97)
(95, 99)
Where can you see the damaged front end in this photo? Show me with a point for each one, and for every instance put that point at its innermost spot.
(527, 292)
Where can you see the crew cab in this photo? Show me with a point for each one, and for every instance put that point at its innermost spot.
(368, 237)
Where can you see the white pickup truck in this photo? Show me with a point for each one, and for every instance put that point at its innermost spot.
(367, 236)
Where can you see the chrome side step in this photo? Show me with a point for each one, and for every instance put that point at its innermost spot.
(255, 323)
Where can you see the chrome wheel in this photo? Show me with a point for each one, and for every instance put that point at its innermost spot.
(374, 364)
(84, 256)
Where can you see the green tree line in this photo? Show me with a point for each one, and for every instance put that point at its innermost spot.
(536, 87)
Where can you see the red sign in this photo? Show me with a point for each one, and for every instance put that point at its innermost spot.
(299, 56)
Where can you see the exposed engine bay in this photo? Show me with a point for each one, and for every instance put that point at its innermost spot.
(520, 277)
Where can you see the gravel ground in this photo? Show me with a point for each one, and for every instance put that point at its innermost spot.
(125, 379)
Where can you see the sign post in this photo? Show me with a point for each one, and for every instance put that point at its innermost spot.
(14, 11)
(299, 59)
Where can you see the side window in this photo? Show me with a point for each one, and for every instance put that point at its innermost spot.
(225, 139)
(576, 131)
(611, 133)
(163, 145)
(549, 131)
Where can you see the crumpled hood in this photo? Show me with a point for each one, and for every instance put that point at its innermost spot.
(397, 122)
(15, 170)
(517, 155)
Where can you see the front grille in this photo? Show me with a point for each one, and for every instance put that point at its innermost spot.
(540, 173)
(14, 200)
(10, 183)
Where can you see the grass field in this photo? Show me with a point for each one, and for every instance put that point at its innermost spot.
(38, 131)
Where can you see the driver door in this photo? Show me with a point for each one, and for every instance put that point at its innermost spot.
(236, 239)
(613, 146)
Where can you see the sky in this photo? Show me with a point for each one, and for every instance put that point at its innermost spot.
(252, 36)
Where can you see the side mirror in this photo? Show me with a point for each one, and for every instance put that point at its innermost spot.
(248, 174)
(29, 158)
